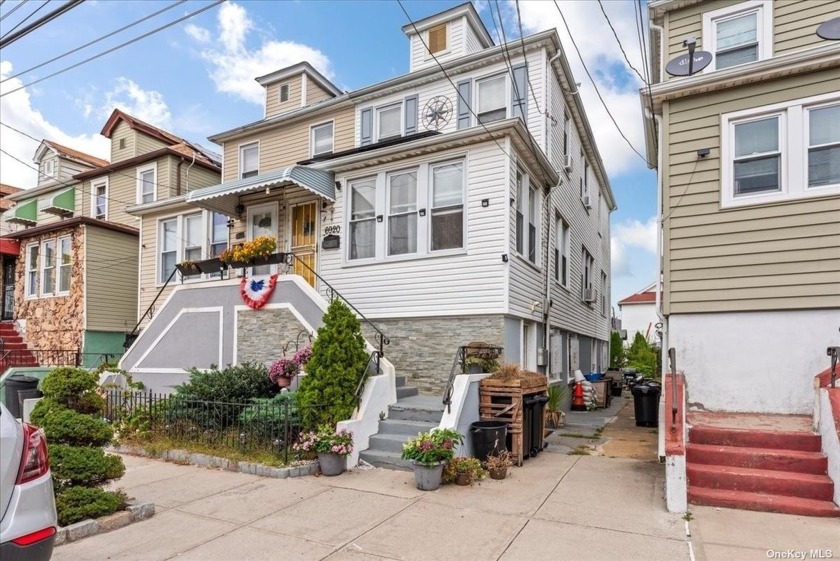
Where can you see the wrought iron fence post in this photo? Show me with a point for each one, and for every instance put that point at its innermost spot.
(286, 432)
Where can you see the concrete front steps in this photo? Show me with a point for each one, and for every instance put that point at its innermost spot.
(13, 341)
(764, 470)
(410, 415)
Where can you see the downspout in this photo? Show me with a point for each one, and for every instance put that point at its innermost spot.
(178, 177)
(547, 301)
(660, 233)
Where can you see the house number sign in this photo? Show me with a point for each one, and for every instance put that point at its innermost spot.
(332, 230)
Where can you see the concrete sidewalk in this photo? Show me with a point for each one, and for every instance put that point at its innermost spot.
(557, 507)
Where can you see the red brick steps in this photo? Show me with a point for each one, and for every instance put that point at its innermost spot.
(767, 470)
(762, 502)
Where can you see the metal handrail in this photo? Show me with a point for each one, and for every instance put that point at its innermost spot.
(461, 358)
(834, 353)
(131, 336)
(360, 385)
(672, 356)
(332, 293)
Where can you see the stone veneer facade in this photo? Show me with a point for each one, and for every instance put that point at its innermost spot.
(53, 322)
(262, 334)
(422, 349)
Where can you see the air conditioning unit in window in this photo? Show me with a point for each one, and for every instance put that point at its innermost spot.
(590, 295)
(567, 162)
(587, 201)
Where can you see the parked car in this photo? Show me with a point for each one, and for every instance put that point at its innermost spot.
(28, 520)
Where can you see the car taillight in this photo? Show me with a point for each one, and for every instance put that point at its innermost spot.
(35, 460)
(35, 537)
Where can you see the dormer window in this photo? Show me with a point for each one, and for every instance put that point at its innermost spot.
(49, 168)
(738, 34)
(284, 93)
(437, 39)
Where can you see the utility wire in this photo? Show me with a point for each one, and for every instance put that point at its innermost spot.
(620, 46)
(595, 85)
(522, 41)
(679, 200)
(3, 40)
(506, 53)
(13, 10)
(88, 44)
(643, 49)
(117, 47)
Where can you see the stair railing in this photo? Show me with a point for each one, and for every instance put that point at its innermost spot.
(672, 357)
(332, 294)
(371, 365)
(490, 351)
(129, 339)
(834, 353)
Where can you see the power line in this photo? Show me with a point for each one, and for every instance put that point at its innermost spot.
(506, 54)
(620, 46)
(117, 47)
(679, 200)
(88, 44)
(640, 27)
(13, 10)
(595, 85)
(528, 75)
(3, 39)
(10, 37)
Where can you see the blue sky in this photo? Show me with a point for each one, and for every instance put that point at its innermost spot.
(196, 79)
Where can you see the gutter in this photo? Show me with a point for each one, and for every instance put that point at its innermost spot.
(148, 208)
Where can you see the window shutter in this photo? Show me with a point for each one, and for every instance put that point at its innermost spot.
(519, 104)
(464, 96)
(437, 39)
(366, 126)
(411, 115)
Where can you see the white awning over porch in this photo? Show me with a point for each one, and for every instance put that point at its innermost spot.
(224, 197)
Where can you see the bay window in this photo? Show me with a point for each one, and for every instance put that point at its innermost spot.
(65, 264)
(402, 213)
(47, 268)
(447, 222)
(363, 219)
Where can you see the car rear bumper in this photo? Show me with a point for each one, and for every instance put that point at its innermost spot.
(38, 551)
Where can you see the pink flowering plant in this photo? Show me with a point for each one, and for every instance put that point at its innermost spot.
(429, 448)
(325, 440)
(302, 356)
(283, 368)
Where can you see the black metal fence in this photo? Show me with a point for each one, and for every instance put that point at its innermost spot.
(270, 425)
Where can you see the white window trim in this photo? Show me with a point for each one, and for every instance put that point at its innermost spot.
(31, 292)
(524, 194)
(418, 200)
(386, 106)
(159, 245)
(346, 259)
(58, 266)
(50, 167)
(430, 207)
(427, 53)
(241, 149)
(586, 259)
(793, 144)
(93, 186)
(764, 31)
(477, 81)
(424, 198)
(560, 226)
(140, 171)
(312, 128)
(42, 268)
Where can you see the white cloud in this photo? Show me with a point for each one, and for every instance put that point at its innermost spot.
(602, 56)
(627, 236)
(17, 111)
(147, 105)
(197, 33)
(233, 66)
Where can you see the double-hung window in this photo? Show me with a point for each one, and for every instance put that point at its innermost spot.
(218, 234)
(603, 294)
(492, 99)
(100, 199)
(447, 222)
(32, 252)
(527, 218)
(588, 264)
(168, 244)
(389, 121)
(322, 139)
(566, 147)
(284, 93)
(824, 146)
(48, 268)
(193, 239)
(65, 264)
(738, 34)
(363, 219)
(757, 161)
(561, 252)
(146, 183)
(533, 220)
(49, 167)
(520, 212)
(249, 160)
(402, 212)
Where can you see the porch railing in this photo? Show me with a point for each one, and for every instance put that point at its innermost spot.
(482, 351)
(672, 357)
(129, 338)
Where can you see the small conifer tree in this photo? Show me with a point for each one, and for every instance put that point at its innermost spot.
(326, 393)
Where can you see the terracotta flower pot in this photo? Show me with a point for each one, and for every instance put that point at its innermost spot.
(284, 382)
(462, 479)
(498, 473)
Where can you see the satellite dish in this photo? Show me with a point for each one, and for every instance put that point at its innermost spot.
(686, 65)
(830, 29)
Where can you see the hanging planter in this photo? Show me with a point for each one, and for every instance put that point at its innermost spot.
(188, 268)
(211, 266)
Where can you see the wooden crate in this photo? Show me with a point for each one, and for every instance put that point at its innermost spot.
(503, 401)
(602, 392)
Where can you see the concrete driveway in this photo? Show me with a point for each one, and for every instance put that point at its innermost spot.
(557, 506)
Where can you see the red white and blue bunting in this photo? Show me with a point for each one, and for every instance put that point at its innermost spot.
(256, 291)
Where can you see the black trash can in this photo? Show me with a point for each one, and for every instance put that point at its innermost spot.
(19, 387)
(646, 403)
(537, 424)
(488, 438)
(528, 411)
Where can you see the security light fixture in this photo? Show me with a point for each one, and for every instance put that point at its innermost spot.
(703, 152)
(485, 203)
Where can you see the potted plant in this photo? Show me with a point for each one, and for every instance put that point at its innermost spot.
(283, 371)
(554, 416)
(188, 268)
(463, 471)
(259, 251)
(332, 448)
(429, 452)
(498, 465)
(478, 365)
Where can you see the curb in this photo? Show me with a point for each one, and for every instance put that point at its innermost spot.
(135, 512)
(204, 460)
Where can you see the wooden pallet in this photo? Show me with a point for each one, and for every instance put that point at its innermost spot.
(503, 401)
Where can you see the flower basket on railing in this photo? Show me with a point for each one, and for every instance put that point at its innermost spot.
(211, 266)
(188, 268)
(259, 251)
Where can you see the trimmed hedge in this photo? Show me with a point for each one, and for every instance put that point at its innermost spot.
(88, 467)
(75, 504)
(65, 426)
(239, 383)
(75, 389)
